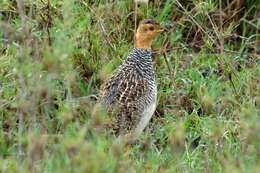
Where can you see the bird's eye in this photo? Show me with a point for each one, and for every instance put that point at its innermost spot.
(151, 28)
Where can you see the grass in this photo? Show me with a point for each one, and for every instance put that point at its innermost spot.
(55, 54)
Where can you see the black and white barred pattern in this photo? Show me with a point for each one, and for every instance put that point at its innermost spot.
(130, 90)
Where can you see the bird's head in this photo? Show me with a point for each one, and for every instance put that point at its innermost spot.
(146, 32)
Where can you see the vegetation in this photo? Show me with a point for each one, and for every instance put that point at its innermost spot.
(54, 55)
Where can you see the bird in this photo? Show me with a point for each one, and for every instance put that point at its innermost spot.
(130, 94)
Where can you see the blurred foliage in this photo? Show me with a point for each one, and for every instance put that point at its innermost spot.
(55, 54)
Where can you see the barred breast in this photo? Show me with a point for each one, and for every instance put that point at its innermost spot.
(130, 93)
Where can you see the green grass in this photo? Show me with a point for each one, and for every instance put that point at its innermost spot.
(207, 118)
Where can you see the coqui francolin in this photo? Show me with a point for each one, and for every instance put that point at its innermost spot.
(130, 94)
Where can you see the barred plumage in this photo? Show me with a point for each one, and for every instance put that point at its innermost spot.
(130, 94)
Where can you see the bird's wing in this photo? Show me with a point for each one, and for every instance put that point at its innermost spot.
(124, 95)
(124, 88)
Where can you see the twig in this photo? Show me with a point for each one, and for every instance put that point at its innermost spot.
(20, 5)
(221, 28)
(257, 39)
(168, 66)
(164, 53)
(214, 27)
(82, 98)
(106, 35)
(232, 83)
(49, 22)
(74, 100)
(200, 27)
(135, 18)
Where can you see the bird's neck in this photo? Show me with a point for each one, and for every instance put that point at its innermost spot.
(141, 59)
(143, 45)
(143, 42)
(141, 53)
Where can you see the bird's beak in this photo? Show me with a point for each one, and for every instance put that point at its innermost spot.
(159, 30)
